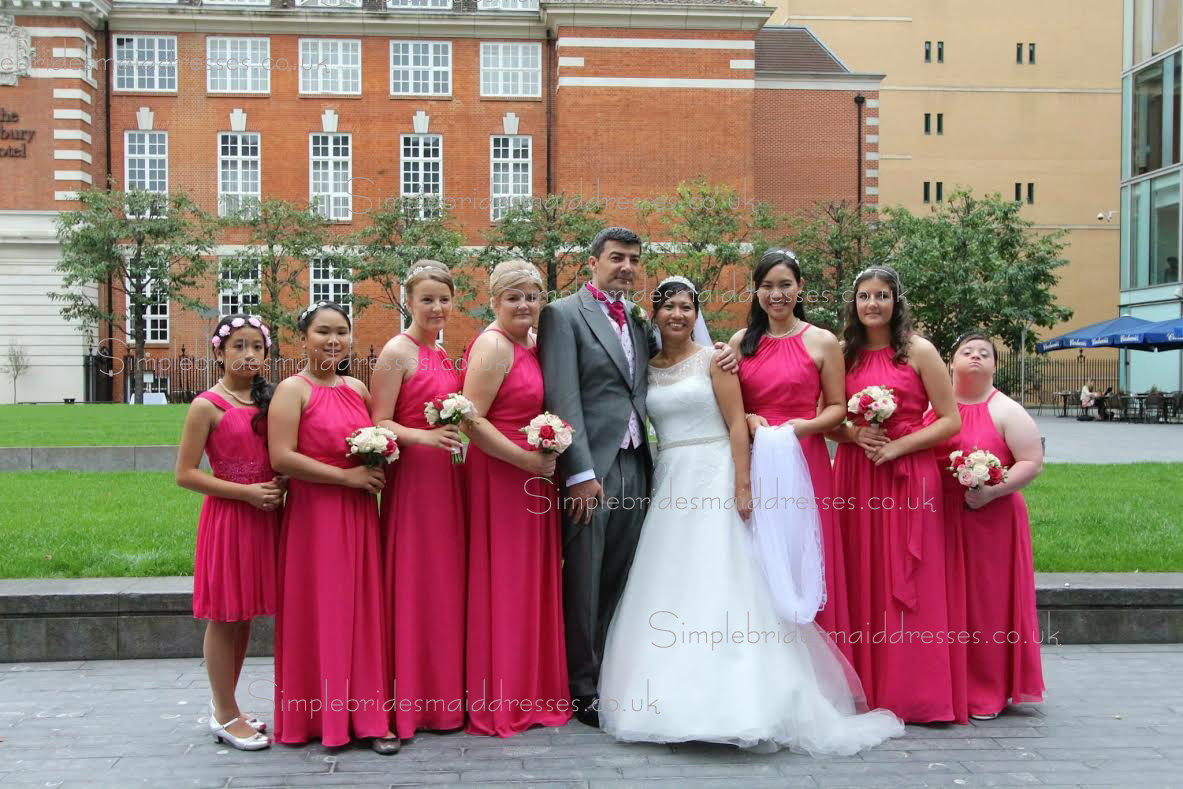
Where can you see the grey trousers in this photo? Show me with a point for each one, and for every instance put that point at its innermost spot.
(597, 557)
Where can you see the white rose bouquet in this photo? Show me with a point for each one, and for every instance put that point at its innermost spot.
(374, 446)
(875, 404)
(548, 433)
(976, 468)
(449, 410)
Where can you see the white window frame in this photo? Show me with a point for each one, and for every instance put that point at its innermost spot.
(328, 4)
(232, 65)
(158, 384)
(507, 5)
(155, 315)
(420, 5)
(234, 289)
(137, 80)
(239, 159)
(312, 77)
(236, 2)
(147, 157)
(332, 287)
(407, 195)
(328, 208)
(510, 197)
(433, 49)
(494, 82)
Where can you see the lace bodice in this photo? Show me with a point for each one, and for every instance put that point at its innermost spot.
(681, 401)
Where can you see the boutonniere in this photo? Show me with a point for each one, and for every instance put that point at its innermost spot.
(639, 315)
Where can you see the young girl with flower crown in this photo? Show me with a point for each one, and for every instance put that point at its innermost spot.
(234, 577)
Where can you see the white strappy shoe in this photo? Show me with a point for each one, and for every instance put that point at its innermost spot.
(256, 742)
(254, 723)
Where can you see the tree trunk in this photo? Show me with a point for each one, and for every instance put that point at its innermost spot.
(138, 361)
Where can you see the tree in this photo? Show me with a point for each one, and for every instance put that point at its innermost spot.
(704, 228)
(282, 240)
(16, 365)
(831, 240)
(151, 247)
(386, 249)
(974, 263)
(555, 235)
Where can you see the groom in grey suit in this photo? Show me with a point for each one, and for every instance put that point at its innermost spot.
(595, 357)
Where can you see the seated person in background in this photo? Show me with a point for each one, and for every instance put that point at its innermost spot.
(1087, 399)
(1103, 405)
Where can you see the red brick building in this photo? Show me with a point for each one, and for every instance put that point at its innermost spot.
(352, 103)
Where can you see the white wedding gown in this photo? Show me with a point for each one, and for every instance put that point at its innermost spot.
(680, 663)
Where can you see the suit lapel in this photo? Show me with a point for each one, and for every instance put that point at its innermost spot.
(640, 347)
(601, 327)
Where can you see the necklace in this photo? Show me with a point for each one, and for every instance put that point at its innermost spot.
(226, 389)
(792, 329)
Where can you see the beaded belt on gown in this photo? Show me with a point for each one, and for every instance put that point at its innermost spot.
(689, 442)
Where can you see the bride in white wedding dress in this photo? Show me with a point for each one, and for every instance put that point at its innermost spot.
(696, 650)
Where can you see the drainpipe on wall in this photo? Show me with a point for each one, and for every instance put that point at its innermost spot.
(859, 101)
(107, 178)
(549, 109)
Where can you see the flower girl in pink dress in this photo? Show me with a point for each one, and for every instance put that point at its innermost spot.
(234, 570)
(331, 678)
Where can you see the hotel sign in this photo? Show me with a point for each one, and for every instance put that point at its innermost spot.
(14, 142)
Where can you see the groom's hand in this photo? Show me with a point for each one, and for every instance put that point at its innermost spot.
(582, 500)
(725, 357)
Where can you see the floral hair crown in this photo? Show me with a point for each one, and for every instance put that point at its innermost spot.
(311, 308)
(680, 281)
(225, 329)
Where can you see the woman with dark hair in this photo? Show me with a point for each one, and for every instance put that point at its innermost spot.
(331, 679)
(423, 518)
(234, 575)
(791, 374)
(782, 685)
(989, 525)
(892, 521)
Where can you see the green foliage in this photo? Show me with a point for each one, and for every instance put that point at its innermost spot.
(706, 227)
(282, 240)
(150, 247)
(386, 250)
(555, 235)
(974, 263)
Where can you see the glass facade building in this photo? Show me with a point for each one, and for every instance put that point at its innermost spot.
(1151, 183)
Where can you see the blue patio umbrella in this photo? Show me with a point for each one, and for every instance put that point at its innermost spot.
(1162, 336)
(1095, 336)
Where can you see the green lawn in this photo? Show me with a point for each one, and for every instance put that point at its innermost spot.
(90, 425)
(69, 524)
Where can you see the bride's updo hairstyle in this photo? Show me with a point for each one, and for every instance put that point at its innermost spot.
(667, 289)
(513, 274)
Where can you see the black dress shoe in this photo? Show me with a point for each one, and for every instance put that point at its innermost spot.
(587, 710)
(387, 746)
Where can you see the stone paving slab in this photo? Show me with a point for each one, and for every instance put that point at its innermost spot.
(1069, 441)
(1113, 717)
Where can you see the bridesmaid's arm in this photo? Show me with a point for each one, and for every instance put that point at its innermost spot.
(283, 426)
(935, 377)
(833, 379)
(489, 363)
(730, 399)
(199, 423)
(1021, 434)
(399, 359)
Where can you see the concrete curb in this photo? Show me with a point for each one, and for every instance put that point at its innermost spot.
(124, 618)
(146, 458)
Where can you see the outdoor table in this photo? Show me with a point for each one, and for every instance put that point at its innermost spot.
(1064, 396)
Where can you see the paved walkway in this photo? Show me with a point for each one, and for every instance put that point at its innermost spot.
(1069, 441)
(1113, 718)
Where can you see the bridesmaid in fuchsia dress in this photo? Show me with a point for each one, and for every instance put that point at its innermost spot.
(792, 372)
(517, 660)
(331, 667)
(892, 526)
(1001, 665)
(423, 514)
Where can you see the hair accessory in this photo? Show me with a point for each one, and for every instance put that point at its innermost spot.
(424, 270)
(894, 277)
(216, 341)
(679, 280)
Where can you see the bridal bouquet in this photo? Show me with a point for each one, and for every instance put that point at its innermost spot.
(977, 468)
(449, 410)
(547, 433)
(374, 446)
(875, 404)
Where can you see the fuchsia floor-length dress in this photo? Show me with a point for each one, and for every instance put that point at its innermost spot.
(517, 662)
(423, 538)
(893, 534)
(331, 670)
(234, 576)
(781, 382)
(1000, 663)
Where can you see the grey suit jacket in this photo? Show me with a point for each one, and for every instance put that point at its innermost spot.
(587, 381)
